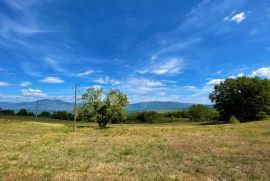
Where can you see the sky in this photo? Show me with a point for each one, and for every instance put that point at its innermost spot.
(153, 50)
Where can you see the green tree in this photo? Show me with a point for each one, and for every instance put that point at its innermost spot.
(201, 113)
(104, 107)
(45, 114)
(245, 98)
(8, 112)
(22, 112)
(147, 116)
(64, 115)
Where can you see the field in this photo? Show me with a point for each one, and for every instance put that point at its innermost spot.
(49, 150)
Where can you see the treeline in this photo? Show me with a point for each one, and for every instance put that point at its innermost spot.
(63, 115)
(22, 112)
(194, 113)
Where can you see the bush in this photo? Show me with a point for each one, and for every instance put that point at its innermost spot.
(31, 114)
(45, 114)
(22, 112)
(233, 120)
(64, 115)
(147, 116)
(8, 112)
(202, 113)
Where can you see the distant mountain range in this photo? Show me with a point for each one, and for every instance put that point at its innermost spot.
(59, 105)
(43, 105)
(158, 106)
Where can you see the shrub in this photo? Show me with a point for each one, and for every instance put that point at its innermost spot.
(202, 113)
(45, 114)
(22, 112)
(147, 116)
(7, 112)
(233, 120)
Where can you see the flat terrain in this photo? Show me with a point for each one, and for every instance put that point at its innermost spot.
(51, 151)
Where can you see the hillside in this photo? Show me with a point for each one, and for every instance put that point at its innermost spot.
(158, 106)
(59, 105)
(43, 105)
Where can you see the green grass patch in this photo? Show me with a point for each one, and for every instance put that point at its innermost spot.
(49, 150)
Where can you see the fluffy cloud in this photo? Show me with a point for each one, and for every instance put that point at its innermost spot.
(139, 82)
(190, 88)
(262, 72)
(4, 84)
(237, 18)
(169, 66)
(239, 75)
(214, 81)
(97, 86)
(106, 80)
(52, 80)
(32, 92)
(86, 73)
(25, 84)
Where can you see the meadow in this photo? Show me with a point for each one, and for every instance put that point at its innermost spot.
(49, 150)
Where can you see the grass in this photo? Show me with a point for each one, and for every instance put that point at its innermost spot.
(49, 150)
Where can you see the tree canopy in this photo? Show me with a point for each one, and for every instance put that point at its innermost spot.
(103, 107)
(245, 98)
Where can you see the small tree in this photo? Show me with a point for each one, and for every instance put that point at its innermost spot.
(103, 108)
(22, 112)
(147, 116)
(233, 120)
(201, 113)
(45, 114)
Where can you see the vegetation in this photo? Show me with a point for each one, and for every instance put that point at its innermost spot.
(157, 117)
(22, 112)
(103, 107)
(6, 112)
(202, 113)
(51, 151)
(245, 98)
(233, 120)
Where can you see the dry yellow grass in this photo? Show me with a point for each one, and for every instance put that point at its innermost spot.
(51, 151)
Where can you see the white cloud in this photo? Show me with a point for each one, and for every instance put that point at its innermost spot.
(214, 81)
(97, 86)
(190, 88)
(262, 72)
(99, 80)
(140, 82)
(54, 64)
(234, 77)
(168, 66)
(33, 92)
(25, 84)
(237, 18)
(52, 80)
(4, 84)
(106, 80)
(154, 57)
(82, 74)
(175, 47)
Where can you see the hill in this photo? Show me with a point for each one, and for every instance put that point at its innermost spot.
(59, 105)
(158, 106)
(43, 105)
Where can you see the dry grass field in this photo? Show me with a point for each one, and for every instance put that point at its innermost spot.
(51, 151)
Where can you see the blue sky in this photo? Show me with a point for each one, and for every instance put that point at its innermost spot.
(153, 50)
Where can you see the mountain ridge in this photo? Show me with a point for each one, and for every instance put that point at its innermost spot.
(59, 105)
